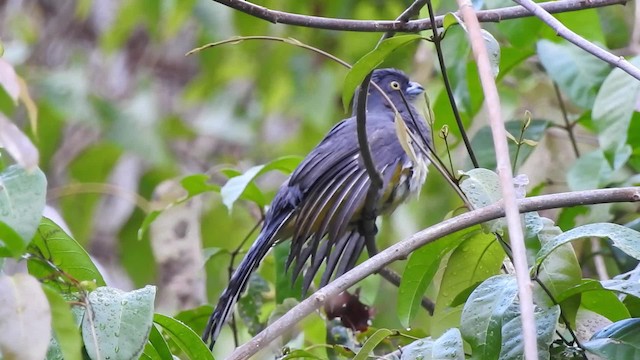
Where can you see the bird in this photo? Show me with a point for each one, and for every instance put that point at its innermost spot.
(320, 207)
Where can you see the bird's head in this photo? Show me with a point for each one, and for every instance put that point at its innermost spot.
(393, 82)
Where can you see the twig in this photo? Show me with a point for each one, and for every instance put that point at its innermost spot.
(567, 124)
(513, 12)
(403, 248)
(505, 173)
(437, 40)
(578, 40)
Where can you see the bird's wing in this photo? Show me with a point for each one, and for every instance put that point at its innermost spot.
(335, 183)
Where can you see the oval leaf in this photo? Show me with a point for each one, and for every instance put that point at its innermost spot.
(620, 340)
(622, 237)
(237, 186)
(577, 73)
(481, 322)
(420, 270)
(22, 200)
(116, 324)
(63, 252)
(370, 61)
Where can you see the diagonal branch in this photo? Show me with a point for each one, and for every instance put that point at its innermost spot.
(318, 22)
(579, 41)
(403, 248)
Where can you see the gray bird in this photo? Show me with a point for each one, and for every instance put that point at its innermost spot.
(320, 206)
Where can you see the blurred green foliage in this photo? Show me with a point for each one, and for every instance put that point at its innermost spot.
(113, 87)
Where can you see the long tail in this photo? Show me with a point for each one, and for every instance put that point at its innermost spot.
(240, 279)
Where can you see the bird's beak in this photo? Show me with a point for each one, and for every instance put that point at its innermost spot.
(414, 89)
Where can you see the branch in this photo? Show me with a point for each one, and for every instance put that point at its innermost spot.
(505, 173)
(579, 41)
(318, 22)
(402, 249)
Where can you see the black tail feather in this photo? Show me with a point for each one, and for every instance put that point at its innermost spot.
(239, 281)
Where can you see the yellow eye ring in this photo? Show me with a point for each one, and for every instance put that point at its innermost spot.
(395, 85)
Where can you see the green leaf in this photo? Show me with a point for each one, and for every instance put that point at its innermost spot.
(371, 343)
(605, 303)
(620, 340)
(159, 344)
(577, 73)
(482, 188)
(11, 243)
(369, 62)
(195, 318)
(482, 142)
(116, 324)
(250, 305)
(614, 106)
(560, 271)
(447, 346)
(188, 341)
(284, 287)
(481, 322)
(238, 186)
(590, 171)
(22, 200)
(300, 354)
(25, 318)
(493, 50)
(622, 237)
(513, 341)
(64, 326)
(61, 250)
(420, 270)
(478, 257)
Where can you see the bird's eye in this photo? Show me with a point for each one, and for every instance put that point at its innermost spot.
(395, 85)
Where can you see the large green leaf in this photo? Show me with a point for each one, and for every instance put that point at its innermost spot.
(188, 341)
(483, 313)
(620, 340)
(613, 107)
(369, 62)
(559, 272)
(623, 238)
(22, 200)
(512, 340)
(60, 252)
(25, 318)
(420, 270)
(116, 324)
(577, 73)
(448, 346)
(477, 258)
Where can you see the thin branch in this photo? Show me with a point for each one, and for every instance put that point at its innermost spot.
(403, 248)
(505, 173)
(437, 40)
(318, 22)
(567, 124)
(578, 40)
